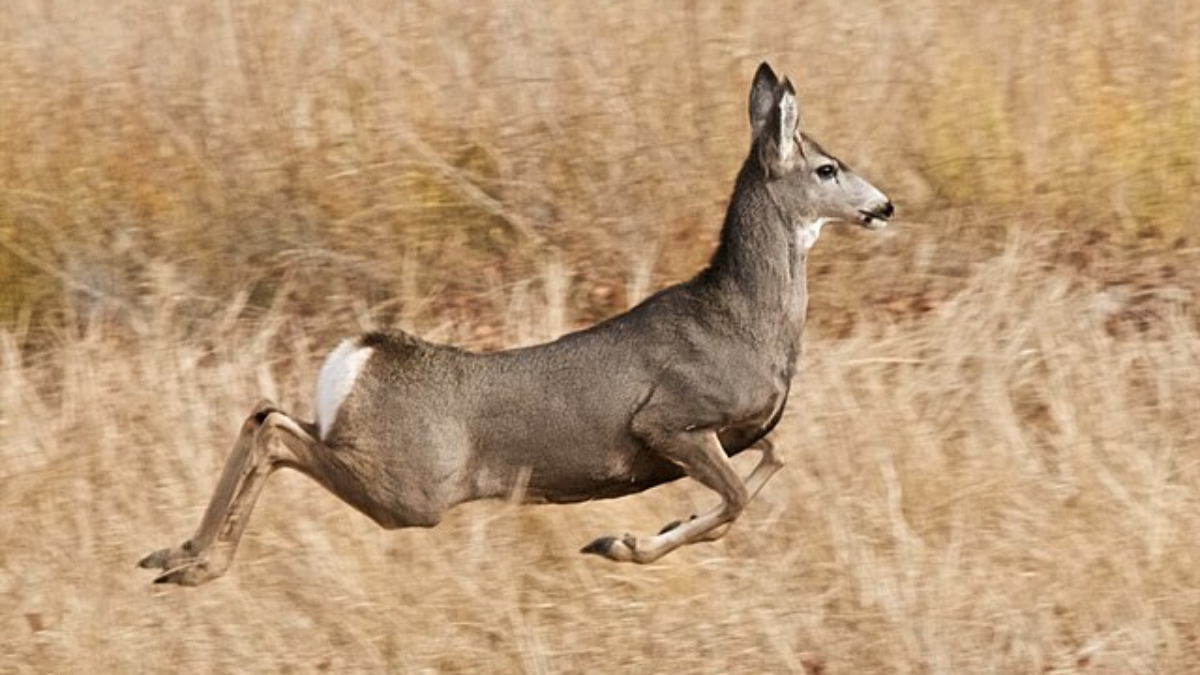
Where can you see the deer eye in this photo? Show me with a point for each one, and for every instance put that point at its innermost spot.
(826, 171)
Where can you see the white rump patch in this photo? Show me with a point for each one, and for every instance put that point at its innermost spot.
(336, 381)
(807, 234)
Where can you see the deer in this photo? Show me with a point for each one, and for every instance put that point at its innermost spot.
(406, 429)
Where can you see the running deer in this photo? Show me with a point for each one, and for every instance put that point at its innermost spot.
(406, 429)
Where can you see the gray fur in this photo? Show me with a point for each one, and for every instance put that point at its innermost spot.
(697, 373)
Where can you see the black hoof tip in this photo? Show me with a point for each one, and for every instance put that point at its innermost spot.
(600, 547)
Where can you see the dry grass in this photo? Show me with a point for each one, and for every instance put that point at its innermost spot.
(992, 447)
(1003, 486)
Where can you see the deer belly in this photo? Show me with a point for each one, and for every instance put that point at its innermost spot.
(600, 474)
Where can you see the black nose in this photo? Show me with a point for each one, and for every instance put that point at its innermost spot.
(888, 210)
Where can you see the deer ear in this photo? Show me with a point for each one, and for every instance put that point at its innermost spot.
(789, 120)
(762, 97)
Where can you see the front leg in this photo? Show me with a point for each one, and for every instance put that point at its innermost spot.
(768, 465)
(701, 456)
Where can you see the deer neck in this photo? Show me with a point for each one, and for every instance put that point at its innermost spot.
(759, 267)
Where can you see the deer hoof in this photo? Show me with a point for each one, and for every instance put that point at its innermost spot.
(167, 558)
(190, 573)
(159, 559)
(600, 546)
(621, 550)
(181, 565)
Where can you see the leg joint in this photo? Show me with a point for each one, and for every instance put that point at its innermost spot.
(736, 499)
(262, 410)
(284, 440)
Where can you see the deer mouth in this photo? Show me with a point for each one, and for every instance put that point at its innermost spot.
(878, 218)
(873, 221)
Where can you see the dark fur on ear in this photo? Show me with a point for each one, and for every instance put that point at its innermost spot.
(762, 97)
(776, 138)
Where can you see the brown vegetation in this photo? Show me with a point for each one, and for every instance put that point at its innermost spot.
(993, 447)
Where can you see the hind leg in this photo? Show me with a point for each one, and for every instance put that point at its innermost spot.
(268, 440)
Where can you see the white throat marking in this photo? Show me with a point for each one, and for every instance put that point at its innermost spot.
(807, 233)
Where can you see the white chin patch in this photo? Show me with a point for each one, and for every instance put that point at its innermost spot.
(808, 233)
(336, 380)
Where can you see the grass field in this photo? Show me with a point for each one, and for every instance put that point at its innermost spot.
(993, 446)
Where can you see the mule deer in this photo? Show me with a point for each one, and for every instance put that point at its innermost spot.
(406, 429)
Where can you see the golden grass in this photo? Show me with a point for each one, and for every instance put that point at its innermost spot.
(1009, 484)
(992, 444)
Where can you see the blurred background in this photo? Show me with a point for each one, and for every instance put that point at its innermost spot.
(993, 448)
